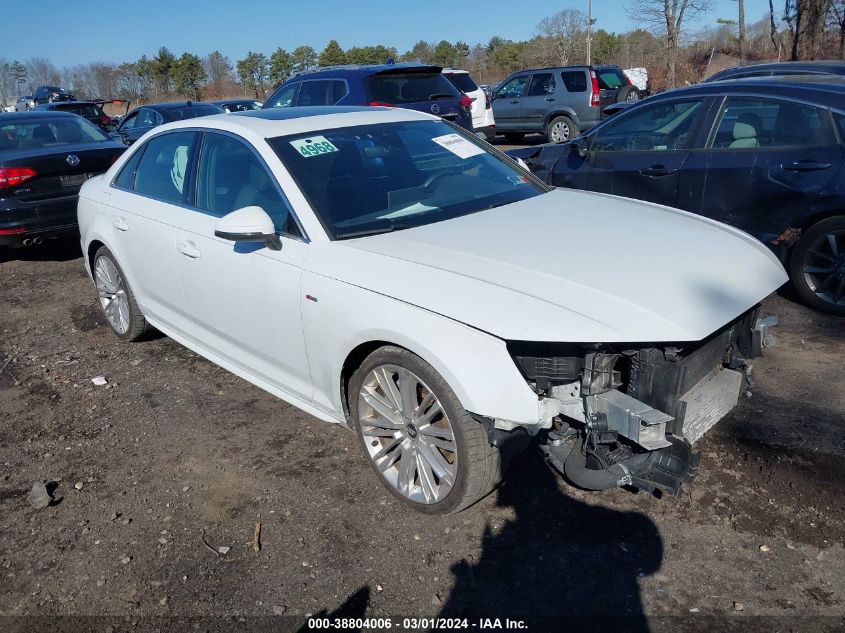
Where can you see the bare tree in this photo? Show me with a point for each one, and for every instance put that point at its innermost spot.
(667, 18)
(41, 72)
(773, 31)
(806, 22)
(836, 18)
(562, 37)
(741, 8)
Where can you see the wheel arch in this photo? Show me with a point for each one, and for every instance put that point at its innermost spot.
(561, 111)
(806, 224)
(90, 252)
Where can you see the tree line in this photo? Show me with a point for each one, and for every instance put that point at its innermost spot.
(663, 43)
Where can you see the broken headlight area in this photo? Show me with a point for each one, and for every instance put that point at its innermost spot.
(627, 414)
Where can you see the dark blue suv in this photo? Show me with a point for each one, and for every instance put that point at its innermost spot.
(413, 86)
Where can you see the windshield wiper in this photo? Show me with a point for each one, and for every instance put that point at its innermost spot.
(394, 226)
(440, 95)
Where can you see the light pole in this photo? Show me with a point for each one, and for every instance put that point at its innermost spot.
(590, 22)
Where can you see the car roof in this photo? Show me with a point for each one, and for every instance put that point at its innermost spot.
(829, 91)
(237, 100)
(262, 124)
(362, 70)
(62, 104)
(12, 117)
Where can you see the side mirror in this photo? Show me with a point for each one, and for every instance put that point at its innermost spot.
(579, 147)
(249, 224)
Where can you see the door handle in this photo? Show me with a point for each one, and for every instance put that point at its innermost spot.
(120, 224)
(805, 165)
(655, 171)
(188, 249)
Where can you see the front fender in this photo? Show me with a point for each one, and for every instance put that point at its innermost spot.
(475, 364)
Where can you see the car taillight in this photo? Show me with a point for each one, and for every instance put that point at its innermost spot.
(15, 231)
(381, 104)
(594, 97)
(465, 101)
(486, 101)
(13, 176)
(104, 119)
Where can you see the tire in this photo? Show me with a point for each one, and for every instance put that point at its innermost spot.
(627, 93)
(469, 466)
(817, 266)
(561, 129)
(514, 137)
(116, 298)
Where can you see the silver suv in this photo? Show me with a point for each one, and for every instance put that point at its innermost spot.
(559, 102)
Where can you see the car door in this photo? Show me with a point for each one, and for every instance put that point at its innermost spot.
(765, 162)
(506, 105)
(147, 120)
(638, 155)
(245, 298)
(538, 99)
(144, 200)
(126, 126)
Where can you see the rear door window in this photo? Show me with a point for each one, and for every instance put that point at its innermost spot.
(410, 88)
(610, 79)
(542, 84)
(574, 80)
(162, 172)
(750, 122)
(315, 93)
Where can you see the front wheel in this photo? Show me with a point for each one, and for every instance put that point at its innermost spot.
(817, 266)
(562, 129)
(116, 298)
(423, 445)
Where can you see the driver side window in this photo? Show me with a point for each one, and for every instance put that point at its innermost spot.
(658, 128)
(514, 88)
(129, 122)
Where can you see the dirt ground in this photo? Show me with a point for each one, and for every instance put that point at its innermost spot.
(175, 458)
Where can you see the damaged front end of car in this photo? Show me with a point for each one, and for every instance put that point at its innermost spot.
(629, 414)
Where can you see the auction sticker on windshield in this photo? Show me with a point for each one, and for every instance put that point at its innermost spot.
(313, 146)
(458, 145)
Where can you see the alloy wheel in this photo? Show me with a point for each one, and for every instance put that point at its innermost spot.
(824, 267)
(112, 292)
(633, 96)
(407, 434)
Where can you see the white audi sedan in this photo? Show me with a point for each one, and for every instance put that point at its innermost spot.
(382, 269)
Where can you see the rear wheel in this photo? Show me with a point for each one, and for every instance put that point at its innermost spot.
(423, 445)
(817, 266)
(562, 129)
(116, 298)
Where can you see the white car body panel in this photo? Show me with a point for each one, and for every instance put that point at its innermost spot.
(563, 266)
(482, 116)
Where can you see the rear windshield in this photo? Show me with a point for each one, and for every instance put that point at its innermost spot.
(410, 88)
(41, 133)
(610, 78)
(86, 110)
(191, 111)
(463, 81)
(390, 176)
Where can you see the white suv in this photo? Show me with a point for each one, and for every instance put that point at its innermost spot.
(482, 114)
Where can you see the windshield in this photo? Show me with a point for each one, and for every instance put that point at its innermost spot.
(463, 81)
(410, 88)
(40, 133)
(377, 178)
(189, 112)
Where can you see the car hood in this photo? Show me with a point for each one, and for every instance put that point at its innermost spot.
(568, 266)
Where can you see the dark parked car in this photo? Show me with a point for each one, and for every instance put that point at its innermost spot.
(238, 105)
(44, 159)
(782, 69)
(764, 156)
(86, 109)
(559, 102)
(141, 120)
(409, 85)
(49, 94)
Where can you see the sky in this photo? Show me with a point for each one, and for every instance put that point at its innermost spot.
(69, 33)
